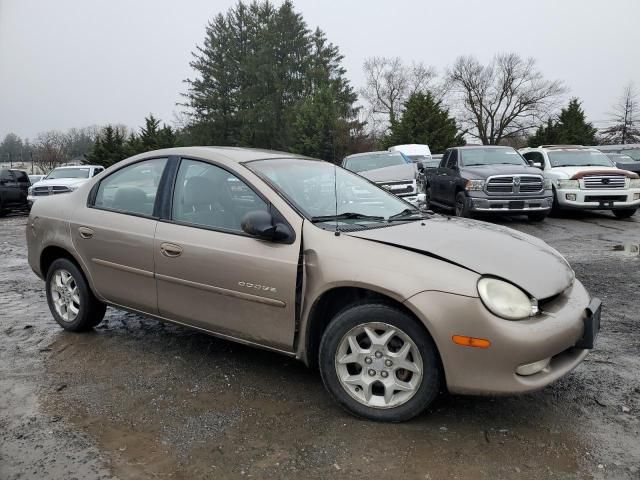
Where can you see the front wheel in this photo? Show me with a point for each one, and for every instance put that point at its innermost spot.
(379, 363)
(70, 299)
(624, 212)
(462, 205)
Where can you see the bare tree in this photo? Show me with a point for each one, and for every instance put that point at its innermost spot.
(625, 120)
(389, 83)
(49, 150)
(505, 98)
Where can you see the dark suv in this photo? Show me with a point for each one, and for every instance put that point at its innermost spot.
(14, 186)
(488, 179)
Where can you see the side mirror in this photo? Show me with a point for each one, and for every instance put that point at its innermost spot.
(259, 224)
(420, 166)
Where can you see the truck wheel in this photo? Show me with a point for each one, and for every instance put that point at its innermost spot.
(624, 212)
(427, 199)
(462, 205)
(70, 299)
(537, 217)
(378, 363)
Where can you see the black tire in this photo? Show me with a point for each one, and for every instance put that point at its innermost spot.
(555, 206)
(461, 206)
(427, 198)
(624, 212)
(356, 316)
(90, 312)
(537, 217)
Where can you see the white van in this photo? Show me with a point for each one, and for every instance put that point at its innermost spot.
(415, 152)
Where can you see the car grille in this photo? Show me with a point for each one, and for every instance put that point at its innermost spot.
(515, 184)
(52, 190)
(604, 181)
(398, 188)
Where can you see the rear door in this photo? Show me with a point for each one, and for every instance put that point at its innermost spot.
(211, 274)
(23, 182)
(114, 233)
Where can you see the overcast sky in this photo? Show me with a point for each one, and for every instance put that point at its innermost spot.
(73, 63)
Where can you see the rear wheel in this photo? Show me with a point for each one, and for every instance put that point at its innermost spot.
(70, 300)
(624, 212)
(462, 205)
(379, 363)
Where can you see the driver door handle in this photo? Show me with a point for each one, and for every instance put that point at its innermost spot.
(85, 232)
(170, 250)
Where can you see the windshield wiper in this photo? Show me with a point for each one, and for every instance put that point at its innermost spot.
(345, 216)
(405, 214)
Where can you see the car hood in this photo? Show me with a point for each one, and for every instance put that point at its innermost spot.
(568, 172)
(484, 171)
(67, 182)
(391, 174)
(484, 248)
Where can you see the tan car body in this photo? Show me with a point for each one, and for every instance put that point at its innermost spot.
(281, 296)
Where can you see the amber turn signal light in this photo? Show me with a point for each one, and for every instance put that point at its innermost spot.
(471, 341)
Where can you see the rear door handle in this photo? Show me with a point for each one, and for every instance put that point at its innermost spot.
(170, 250)
(85, 232)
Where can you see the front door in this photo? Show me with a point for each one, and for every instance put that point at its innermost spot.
(212, 275)
(114, 235)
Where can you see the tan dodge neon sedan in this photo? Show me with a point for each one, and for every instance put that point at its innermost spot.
(307, 259)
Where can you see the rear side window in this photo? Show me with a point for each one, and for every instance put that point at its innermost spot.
(97, 171)
(132, 189)
(209, 196)
(6, 175)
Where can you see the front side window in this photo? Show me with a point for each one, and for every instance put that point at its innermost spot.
(452, 160)
(97, 171)
(132, 189)
(322, 191)
(578, 158)
(209, 196)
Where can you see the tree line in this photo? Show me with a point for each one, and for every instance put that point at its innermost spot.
(262, 78)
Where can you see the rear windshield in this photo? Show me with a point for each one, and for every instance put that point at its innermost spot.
(579, 158)
(491, 156)
(69, 173)
(363, 163)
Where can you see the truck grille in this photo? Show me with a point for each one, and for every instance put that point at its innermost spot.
(515, 184)
(605, 181)
(52, 190)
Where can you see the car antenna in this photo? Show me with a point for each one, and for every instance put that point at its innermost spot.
(335, 192)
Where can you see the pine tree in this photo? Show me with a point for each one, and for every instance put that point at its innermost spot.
(424, 120)
(257, 72)
(571, 128)
(109, 147)
(545, 135)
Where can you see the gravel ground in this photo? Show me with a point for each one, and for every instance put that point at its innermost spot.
(140, 399)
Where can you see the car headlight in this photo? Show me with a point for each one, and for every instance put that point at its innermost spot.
(634, 183)
(568, 184)
(73, 188)
(547, 183)
(506, 300)
(474, 185)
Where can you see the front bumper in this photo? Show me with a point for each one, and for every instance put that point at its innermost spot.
(598, 199)
(416, 200)
(553, 334)
(510, 204)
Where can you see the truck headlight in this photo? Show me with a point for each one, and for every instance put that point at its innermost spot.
(547, 183)
(506, 300)
(73, 188)
(474, 185)
(568, 184)
(634, 183)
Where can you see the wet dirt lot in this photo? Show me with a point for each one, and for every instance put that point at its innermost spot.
(140, 399)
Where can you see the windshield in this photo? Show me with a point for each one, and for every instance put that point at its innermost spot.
(69, 173)
(491, 156)
(579, 158)
(620, 158)
(317, 189)
(363, 163)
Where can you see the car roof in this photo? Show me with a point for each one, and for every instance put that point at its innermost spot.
(77, 166)
(472, 147)
(229, 154)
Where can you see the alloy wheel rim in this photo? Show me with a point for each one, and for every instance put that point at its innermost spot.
(379, 365)
(65, 295)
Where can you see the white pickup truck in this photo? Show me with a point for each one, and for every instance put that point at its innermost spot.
(585, 178)
(62, 180)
